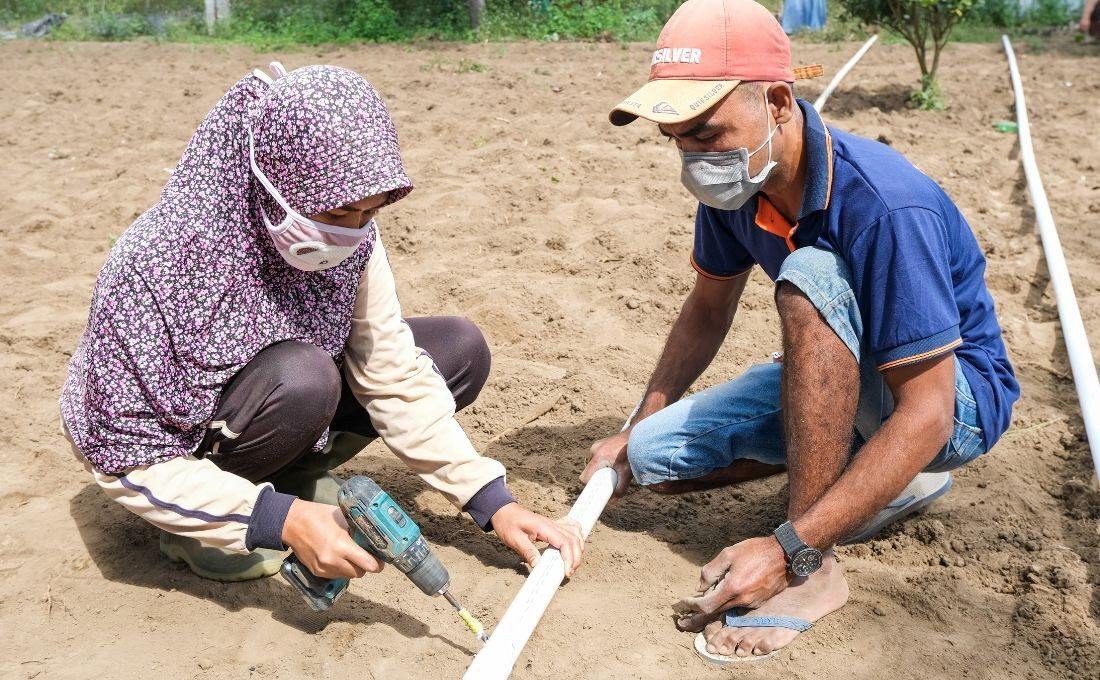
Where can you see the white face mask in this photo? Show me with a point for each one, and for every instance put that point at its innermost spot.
(720, 179)
(304, 243)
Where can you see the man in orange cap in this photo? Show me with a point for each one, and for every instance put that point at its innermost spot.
(893, 371)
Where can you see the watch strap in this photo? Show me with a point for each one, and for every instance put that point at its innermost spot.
(788, 539)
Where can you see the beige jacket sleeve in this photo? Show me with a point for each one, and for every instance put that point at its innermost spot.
(193, 497)
(406, 397)
(189, 497)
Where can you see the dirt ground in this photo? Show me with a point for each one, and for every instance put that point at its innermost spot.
(567, 240)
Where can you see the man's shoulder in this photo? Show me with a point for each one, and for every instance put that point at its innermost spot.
(873, 178)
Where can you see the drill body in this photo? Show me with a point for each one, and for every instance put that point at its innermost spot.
(381, 526)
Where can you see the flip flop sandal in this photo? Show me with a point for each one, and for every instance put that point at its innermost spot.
(925, 488)
(734, 621)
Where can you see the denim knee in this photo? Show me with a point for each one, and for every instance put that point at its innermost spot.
(650, 451)
(825, 278)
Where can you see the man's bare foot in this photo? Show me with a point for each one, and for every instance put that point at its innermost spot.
(809, 599)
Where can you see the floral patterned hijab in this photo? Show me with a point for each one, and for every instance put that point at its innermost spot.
(195, 288)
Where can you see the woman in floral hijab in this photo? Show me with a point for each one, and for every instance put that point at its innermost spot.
(252, 310)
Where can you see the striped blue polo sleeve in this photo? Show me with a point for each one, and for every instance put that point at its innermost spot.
(717, 253)
(901, 271)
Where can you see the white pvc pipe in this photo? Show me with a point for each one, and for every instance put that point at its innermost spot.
(496, 659)
(1073, 329)
(820, 102)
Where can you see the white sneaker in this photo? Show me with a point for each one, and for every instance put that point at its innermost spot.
(925, 488)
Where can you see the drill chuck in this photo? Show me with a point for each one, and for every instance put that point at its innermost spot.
(424, 569)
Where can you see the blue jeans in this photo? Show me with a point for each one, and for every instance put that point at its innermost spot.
(741, 419)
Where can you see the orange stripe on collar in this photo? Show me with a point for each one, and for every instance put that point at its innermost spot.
(772, 221)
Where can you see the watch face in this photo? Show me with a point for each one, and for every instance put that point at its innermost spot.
(805, 562)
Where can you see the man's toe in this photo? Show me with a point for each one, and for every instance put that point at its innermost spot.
(745, 647)
(763, 648)
(712, 629)
(720, 640)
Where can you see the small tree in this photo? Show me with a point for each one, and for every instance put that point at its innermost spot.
(919, 22)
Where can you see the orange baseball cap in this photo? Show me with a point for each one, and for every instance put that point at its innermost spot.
(705, 50)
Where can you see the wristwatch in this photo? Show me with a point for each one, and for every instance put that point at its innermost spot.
(802, 560)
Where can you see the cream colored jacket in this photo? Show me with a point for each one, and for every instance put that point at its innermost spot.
(407, 400)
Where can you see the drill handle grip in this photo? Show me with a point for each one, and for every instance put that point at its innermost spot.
(319, 593)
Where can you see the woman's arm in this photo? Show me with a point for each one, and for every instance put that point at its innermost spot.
(195, 498)
(409, 402)
(411, 407)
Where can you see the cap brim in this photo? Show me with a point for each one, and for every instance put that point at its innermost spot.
(671, 101)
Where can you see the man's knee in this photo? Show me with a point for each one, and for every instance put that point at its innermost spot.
(650, 452)
(795, 306)
(814, 292)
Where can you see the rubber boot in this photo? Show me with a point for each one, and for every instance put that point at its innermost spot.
(309, 477)
(218, 564)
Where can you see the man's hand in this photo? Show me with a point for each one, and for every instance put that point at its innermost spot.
(519, 528)
(747, 574)
(318, 535)
(692, 343)
(611, 452)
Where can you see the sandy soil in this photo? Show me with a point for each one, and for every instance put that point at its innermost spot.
(567, 241)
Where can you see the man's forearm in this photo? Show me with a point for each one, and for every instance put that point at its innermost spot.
(691, 345)
(894, 456)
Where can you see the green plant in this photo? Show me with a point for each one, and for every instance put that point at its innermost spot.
(1038, 16)
(105, 26)
(929, 97)
(374, 20)
(288, 24)
(471, 66)
(919, 22)
(621, 20)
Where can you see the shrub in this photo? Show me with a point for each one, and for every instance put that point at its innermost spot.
(920, 22)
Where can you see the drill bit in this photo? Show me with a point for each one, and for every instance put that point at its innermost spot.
(472, 623)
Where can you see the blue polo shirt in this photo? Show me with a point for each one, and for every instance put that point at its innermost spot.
(917, 271)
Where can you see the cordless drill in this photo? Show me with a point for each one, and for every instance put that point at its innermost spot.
(379, 525)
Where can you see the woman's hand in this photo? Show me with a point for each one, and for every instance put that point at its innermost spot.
(519, 528)
(318, 535)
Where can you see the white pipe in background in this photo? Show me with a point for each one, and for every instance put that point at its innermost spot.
(496, 659)
(1069, 314)
(820, 101)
